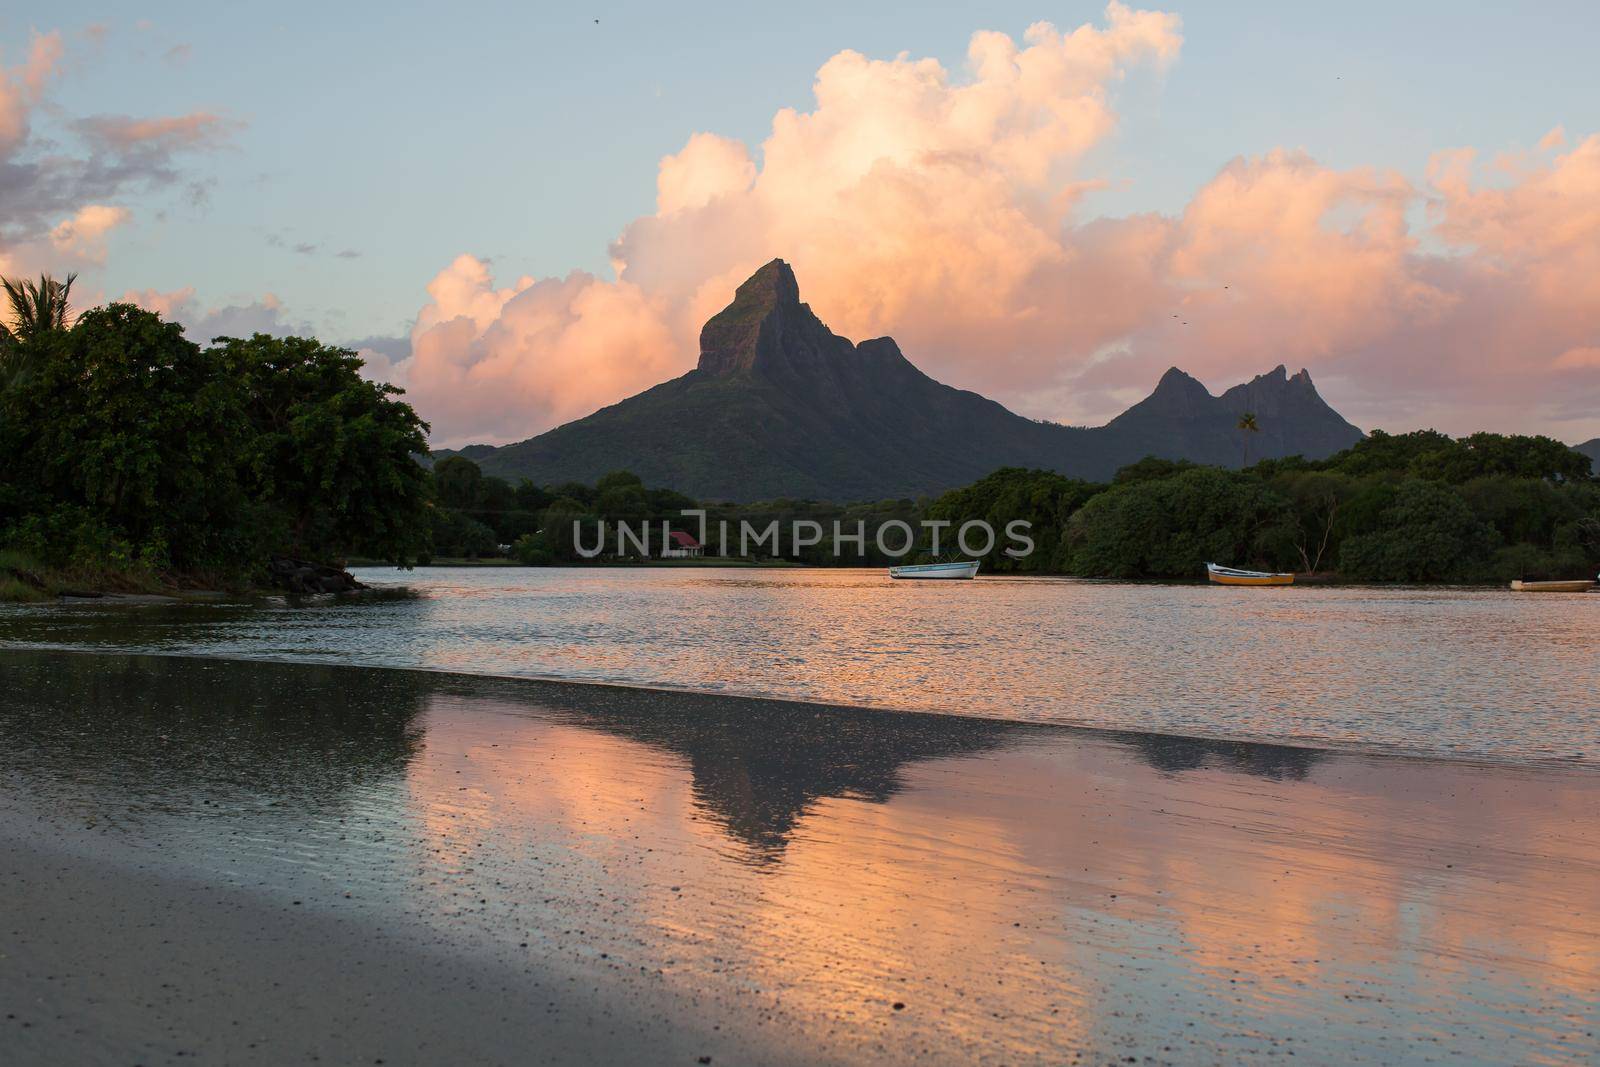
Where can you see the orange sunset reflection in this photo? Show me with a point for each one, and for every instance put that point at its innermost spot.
(832, 865)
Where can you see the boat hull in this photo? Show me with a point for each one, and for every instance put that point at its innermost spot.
(945, 571)
(1552, 587)
(1232, 576)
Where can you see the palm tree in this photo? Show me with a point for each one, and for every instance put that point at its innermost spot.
(37, 307)
(1248, 426)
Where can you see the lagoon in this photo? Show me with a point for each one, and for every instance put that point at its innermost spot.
(1463, 672)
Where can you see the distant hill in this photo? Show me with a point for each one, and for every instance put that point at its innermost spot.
(1592, 450)
(780, 406)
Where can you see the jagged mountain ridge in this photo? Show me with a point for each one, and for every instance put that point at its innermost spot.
(780, 406)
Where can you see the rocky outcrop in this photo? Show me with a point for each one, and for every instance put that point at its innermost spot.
(304, 578)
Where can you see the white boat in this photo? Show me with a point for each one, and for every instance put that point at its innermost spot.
(961, 569)
(1235, 576)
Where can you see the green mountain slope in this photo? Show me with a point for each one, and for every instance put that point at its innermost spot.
(1592, 450)
(781, 406)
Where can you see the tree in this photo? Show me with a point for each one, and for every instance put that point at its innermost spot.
(129, 448)
(1523, 509)
(618, 480)
(334, 455)
(1247, 426)
(129, 426)
(457, 482)
(1043, 499)
(37, 309)
(1150, 469)
(561, 524)
(1483, 455)
(1381, 452)
(1173, 527)
(1317, 498)
(534, 550)
(1427, 533)
(456, 533)
(530, 497)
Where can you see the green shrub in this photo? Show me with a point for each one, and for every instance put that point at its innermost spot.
(1428, 533)
(1173, 527)
(533, 550)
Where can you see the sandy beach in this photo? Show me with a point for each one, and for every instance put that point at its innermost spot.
(212, 861)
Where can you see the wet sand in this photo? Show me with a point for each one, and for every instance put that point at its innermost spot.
(205, 861)
(112, 964)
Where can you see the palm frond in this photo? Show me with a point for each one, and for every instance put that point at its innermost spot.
(38, 307)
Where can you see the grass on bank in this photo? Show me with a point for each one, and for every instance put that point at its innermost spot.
(24, 580)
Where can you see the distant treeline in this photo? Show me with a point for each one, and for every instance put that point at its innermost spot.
(1415, 507)
(1409, 507)
(480, 516)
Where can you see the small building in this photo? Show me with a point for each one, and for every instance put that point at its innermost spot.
(681, 546)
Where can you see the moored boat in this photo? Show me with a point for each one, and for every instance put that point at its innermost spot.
(960, 569)
(1580, 586)
(1235, 576)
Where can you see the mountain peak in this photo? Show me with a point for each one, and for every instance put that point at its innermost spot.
(773, 282)
(1177, 395)
(1179, 382)
(730, 339)
(1278, 375)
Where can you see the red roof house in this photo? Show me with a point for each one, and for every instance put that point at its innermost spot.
(680, 544)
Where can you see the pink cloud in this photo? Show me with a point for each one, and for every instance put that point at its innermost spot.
(541, 352)
(173, 305)
(201, 324)
(708, 167)
(904, 196)
(1584, 358)
(21, 86)
(83, 235)
(946, 209)
(199, 129)
(60, 202)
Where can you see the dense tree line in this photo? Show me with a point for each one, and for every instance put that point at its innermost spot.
(483, 516)
(480, 515)
(1395, 507)
(131, 449)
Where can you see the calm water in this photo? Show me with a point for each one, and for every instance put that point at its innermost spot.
(1470, 672)
(787, 872)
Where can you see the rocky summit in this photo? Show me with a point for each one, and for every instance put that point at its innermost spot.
(780, 406)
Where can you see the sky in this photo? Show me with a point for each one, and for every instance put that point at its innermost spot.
(522, 214)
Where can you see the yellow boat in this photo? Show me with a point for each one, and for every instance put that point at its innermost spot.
(1234, 576)
(1580, 586)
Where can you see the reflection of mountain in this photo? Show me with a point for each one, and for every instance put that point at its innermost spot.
(181, 730)
(131, 732)
(1173, 754)
(759, 765)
